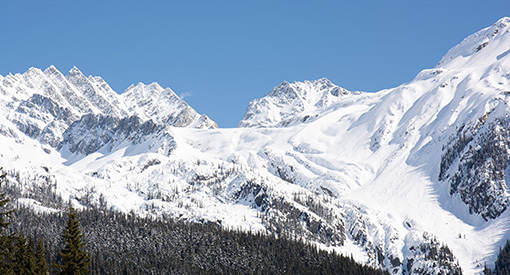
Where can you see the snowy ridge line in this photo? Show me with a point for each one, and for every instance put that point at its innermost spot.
(44, 104)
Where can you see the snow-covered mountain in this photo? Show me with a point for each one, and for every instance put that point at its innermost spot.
(44, 104)
(413, 179)
(291, 103)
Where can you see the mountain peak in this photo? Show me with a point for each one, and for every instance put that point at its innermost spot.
(322, 81)
(154, 86)
(32, 72)
(291, 102)
(141, 90)
(75, 71)
(503, 20)
(300, 89)
(317, 82)
(283, 83)
(162, 105)
(51, 70)
(52, 67)
(481, 48)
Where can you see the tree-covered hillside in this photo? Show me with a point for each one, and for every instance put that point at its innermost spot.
(127, 244)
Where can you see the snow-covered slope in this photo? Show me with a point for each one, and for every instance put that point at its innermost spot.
(413, 179)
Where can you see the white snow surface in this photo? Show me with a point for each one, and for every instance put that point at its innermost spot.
(371, 158)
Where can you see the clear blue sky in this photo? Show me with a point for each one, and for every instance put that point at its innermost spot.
(226, 53)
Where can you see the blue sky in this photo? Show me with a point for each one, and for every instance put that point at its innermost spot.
(222, 54)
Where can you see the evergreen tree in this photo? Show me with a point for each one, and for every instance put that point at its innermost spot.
(502, 265)
(30, 263)
(18, 264)
(24, 261)
(6, 241)
(41, 266)
(74, 258)
(487, 270)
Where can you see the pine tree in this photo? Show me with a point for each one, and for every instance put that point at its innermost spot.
(6, 241)
(18, 264)
(487, 270)
(30, 263)
(41, 266)
(502, 265)
(24, 261)
(74, 258)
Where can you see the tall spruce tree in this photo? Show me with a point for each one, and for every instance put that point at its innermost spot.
(502, 265)
(74, 259)
(41, 266)
(24, 260)
(6, 240)
(30, 263)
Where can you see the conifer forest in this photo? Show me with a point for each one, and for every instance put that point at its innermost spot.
(102, 241)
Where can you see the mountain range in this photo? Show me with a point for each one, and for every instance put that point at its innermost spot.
(412, 179)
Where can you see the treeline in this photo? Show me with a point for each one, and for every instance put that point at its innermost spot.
(117, 243)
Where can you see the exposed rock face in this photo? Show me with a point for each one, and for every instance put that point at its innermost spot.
(475, 165)
(163, 106)
(93, 132)
(43, 105)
